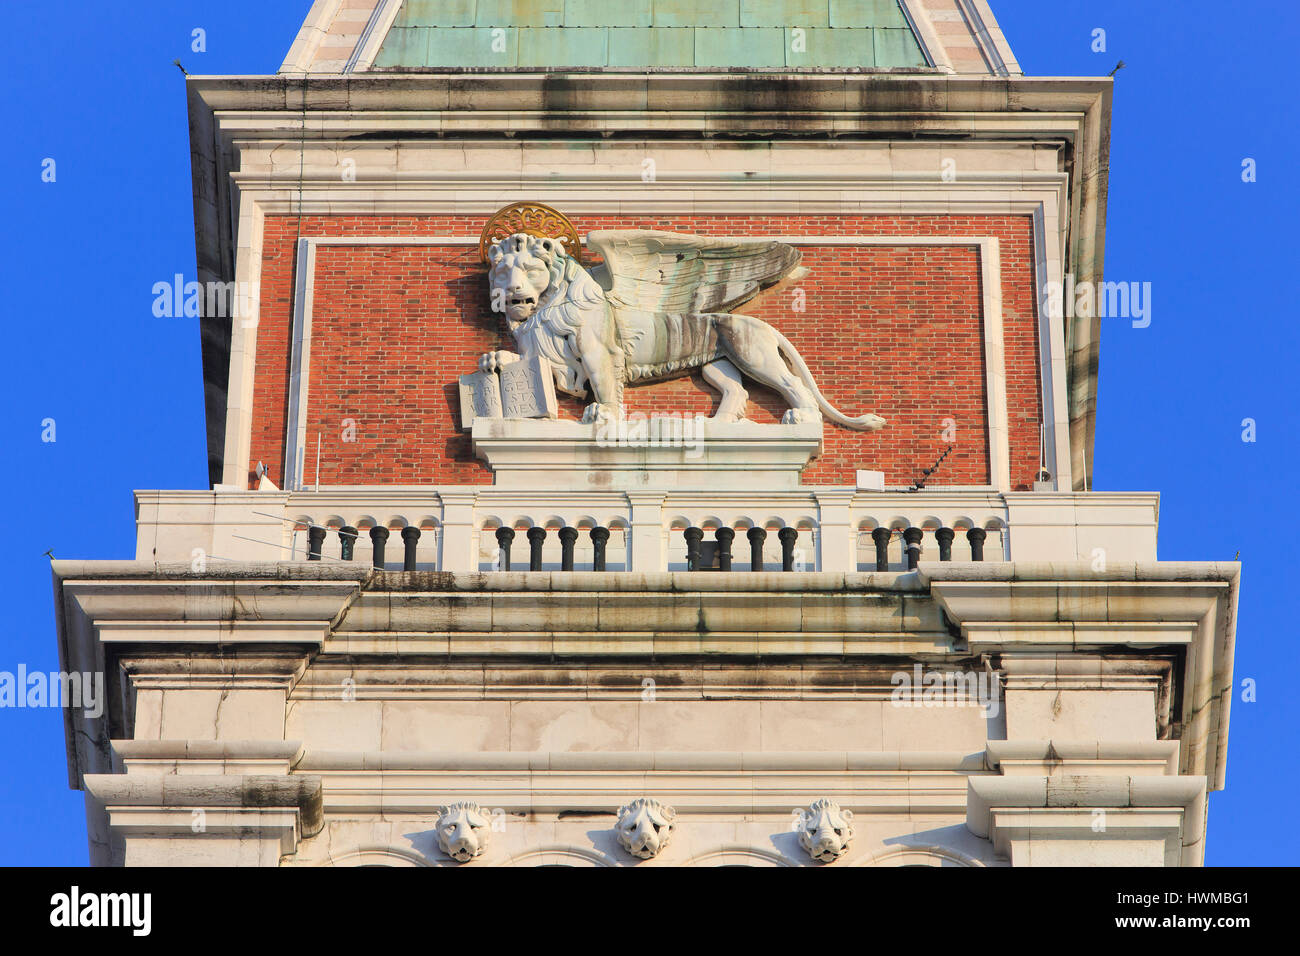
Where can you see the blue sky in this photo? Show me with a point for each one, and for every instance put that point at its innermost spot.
(93, 87)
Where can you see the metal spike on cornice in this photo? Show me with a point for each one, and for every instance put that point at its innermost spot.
(1118, 66)
(181, 68)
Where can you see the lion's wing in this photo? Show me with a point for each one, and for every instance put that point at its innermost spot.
(652, 271)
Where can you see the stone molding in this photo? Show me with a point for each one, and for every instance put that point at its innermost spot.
(280, 810)
(567, 455)
(1021, 812)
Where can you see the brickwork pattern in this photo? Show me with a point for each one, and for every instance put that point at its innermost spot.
(894, 330)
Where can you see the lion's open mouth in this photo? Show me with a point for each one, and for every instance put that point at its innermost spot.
(525, 301)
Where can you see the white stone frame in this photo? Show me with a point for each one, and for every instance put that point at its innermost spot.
(265, 187)
(990, 264)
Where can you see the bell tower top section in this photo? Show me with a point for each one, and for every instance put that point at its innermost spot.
(412, 36)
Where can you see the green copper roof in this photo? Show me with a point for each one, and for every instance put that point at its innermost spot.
(766, 34)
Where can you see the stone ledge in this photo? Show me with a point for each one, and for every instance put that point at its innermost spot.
(542, 454)
(201, 791)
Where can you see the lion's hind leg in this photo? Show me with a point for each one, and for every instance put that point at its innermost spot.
(725, 377)
(753, 346)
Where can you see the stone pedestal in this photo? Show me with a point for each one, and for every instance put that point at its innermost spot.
(655, 453)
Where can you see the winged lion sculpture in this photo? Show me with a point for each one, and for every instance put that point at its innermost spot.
(659, 307)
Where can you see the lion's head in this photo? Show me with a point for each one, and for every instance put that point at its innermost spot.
(645, 826)
(546, 296)
(825, 830)
(522, 269)
(463, 831)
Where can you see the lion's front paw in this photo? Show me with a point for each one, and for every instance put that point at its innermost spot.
(797, 416)
(598, 414)
(491, 361)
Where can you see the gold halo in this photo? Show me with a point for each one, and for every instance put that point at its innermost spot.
(533, 218)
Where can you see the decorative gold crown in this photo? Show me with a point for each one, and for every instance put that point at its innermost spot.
(533, 218)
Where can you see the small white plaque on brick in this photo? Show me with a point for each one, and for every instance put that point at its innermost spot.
(871, 481)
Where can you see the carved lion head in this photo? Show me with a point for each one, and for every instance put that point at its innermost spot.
(521, 270)
(645, 826)
(463, 831)
(825, 830)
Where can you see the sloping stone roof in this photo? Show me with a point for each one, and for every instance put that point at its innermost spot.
(351, 36)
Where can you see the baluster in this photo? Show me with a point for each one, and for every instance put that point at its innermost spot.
(724, 537)
(504, 537)
(536, 537)
(347, 541)
(599, 537)
(410, 539)
(693, 536)
(787, 536)
(315, 538)
(881, 537)
(944, 536)
(756, 538)
(976, 538)
(568, 537)
(378, 535)
(913, 536)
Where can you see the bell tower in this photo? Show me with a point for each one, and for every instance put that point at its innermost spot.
(649, 434)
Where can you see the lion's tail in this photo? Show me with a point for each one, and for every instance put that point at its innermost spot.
(868, 423)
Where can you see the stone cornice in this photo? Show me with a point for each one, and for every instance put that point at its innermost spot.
(1033, 608)
(1029, 616)
(1017, 809)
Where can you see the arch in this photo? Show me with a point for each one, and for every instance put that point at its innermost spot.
(430, 521)
(558, 855)
(899, 523)
(736, 854)
(918, 856)
(365, 523)
(553, 523)
(489, 523)
(395, 521)
(619, 524)
(868, 524)
(963, 523)
(376, 856)
(334, 522)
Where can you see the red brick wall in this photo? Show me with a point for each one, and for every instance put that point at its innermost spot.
(893, 330)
